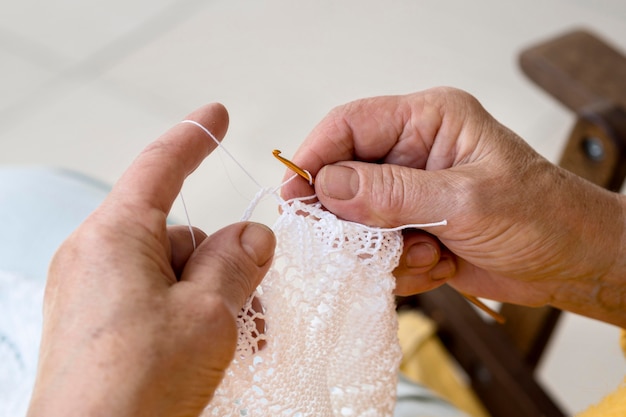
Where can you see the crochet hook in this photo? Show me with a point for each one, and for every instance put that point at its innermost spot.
(295, 168)
(485, 308)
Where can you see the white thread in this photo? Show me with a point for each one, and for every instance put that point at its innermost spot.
(310, 176)
(193, 237)
(408, 226)
(263, 191)
(374, 228)
(256, 200)
(293, 177)
(219, 145)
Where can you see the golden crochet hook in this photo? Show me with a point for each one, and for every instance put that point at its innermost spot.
(295, 168)
(307, 176)
(484, 307)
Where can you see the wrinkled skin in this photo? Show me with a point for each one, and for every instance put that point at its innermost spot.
(520, 229)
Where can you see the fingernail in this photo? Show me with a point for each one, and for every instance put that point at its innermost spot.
(421, 255)
(445, 269)
(338, 182)
(258, 242)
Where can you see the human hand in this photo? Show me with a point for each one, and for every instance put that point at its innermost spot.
(137, 322)
(519, 228)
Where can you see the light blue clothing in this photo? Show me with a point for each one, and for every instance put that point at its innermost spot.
(39, 208)
(415, 400)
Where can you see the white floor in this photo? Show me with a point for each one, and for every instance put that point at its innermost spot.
(86, 84)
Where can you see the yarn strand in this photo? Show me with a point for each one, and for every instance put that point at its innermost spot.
(264, 191)
(223, 148)
(193, 237)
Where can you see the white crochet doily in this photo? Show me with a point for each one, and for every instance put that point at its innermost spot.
(324, 342)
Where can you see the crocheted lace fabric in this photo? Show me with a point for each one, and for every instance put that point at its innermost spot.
(324, 342)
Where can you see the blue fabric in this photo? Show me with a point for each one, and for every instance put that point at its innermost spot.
(415, 400)
(39, 208)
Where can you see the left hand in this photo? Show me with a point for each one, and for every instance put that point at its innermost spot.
(137, 323)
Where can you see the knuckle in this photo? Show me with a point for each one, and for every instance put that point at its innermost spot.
(237, 272)
(392, 194)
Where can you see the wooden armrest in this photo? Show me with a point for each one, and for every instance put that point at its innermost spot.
(579, 69)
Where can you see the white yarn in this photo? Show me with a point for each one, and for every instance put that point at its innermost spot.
(329, 347)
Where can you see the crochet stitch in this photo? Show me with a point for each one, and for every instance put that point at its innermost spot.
(324, 342)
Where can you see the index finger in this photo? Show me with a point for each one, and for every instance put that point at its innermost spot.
(378, 129)
(155, 178)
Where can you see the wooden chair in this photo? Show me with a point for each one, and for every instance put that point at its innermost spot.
(588, 76)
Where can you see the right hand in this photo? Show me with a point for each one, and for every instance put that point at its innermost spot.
(520, 229)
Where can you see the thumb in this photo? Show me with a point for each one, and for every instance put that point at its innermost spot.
(231, 263)
(385, 195)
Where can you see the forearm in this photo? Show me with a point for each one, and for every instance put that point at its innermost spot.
(597, 285)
